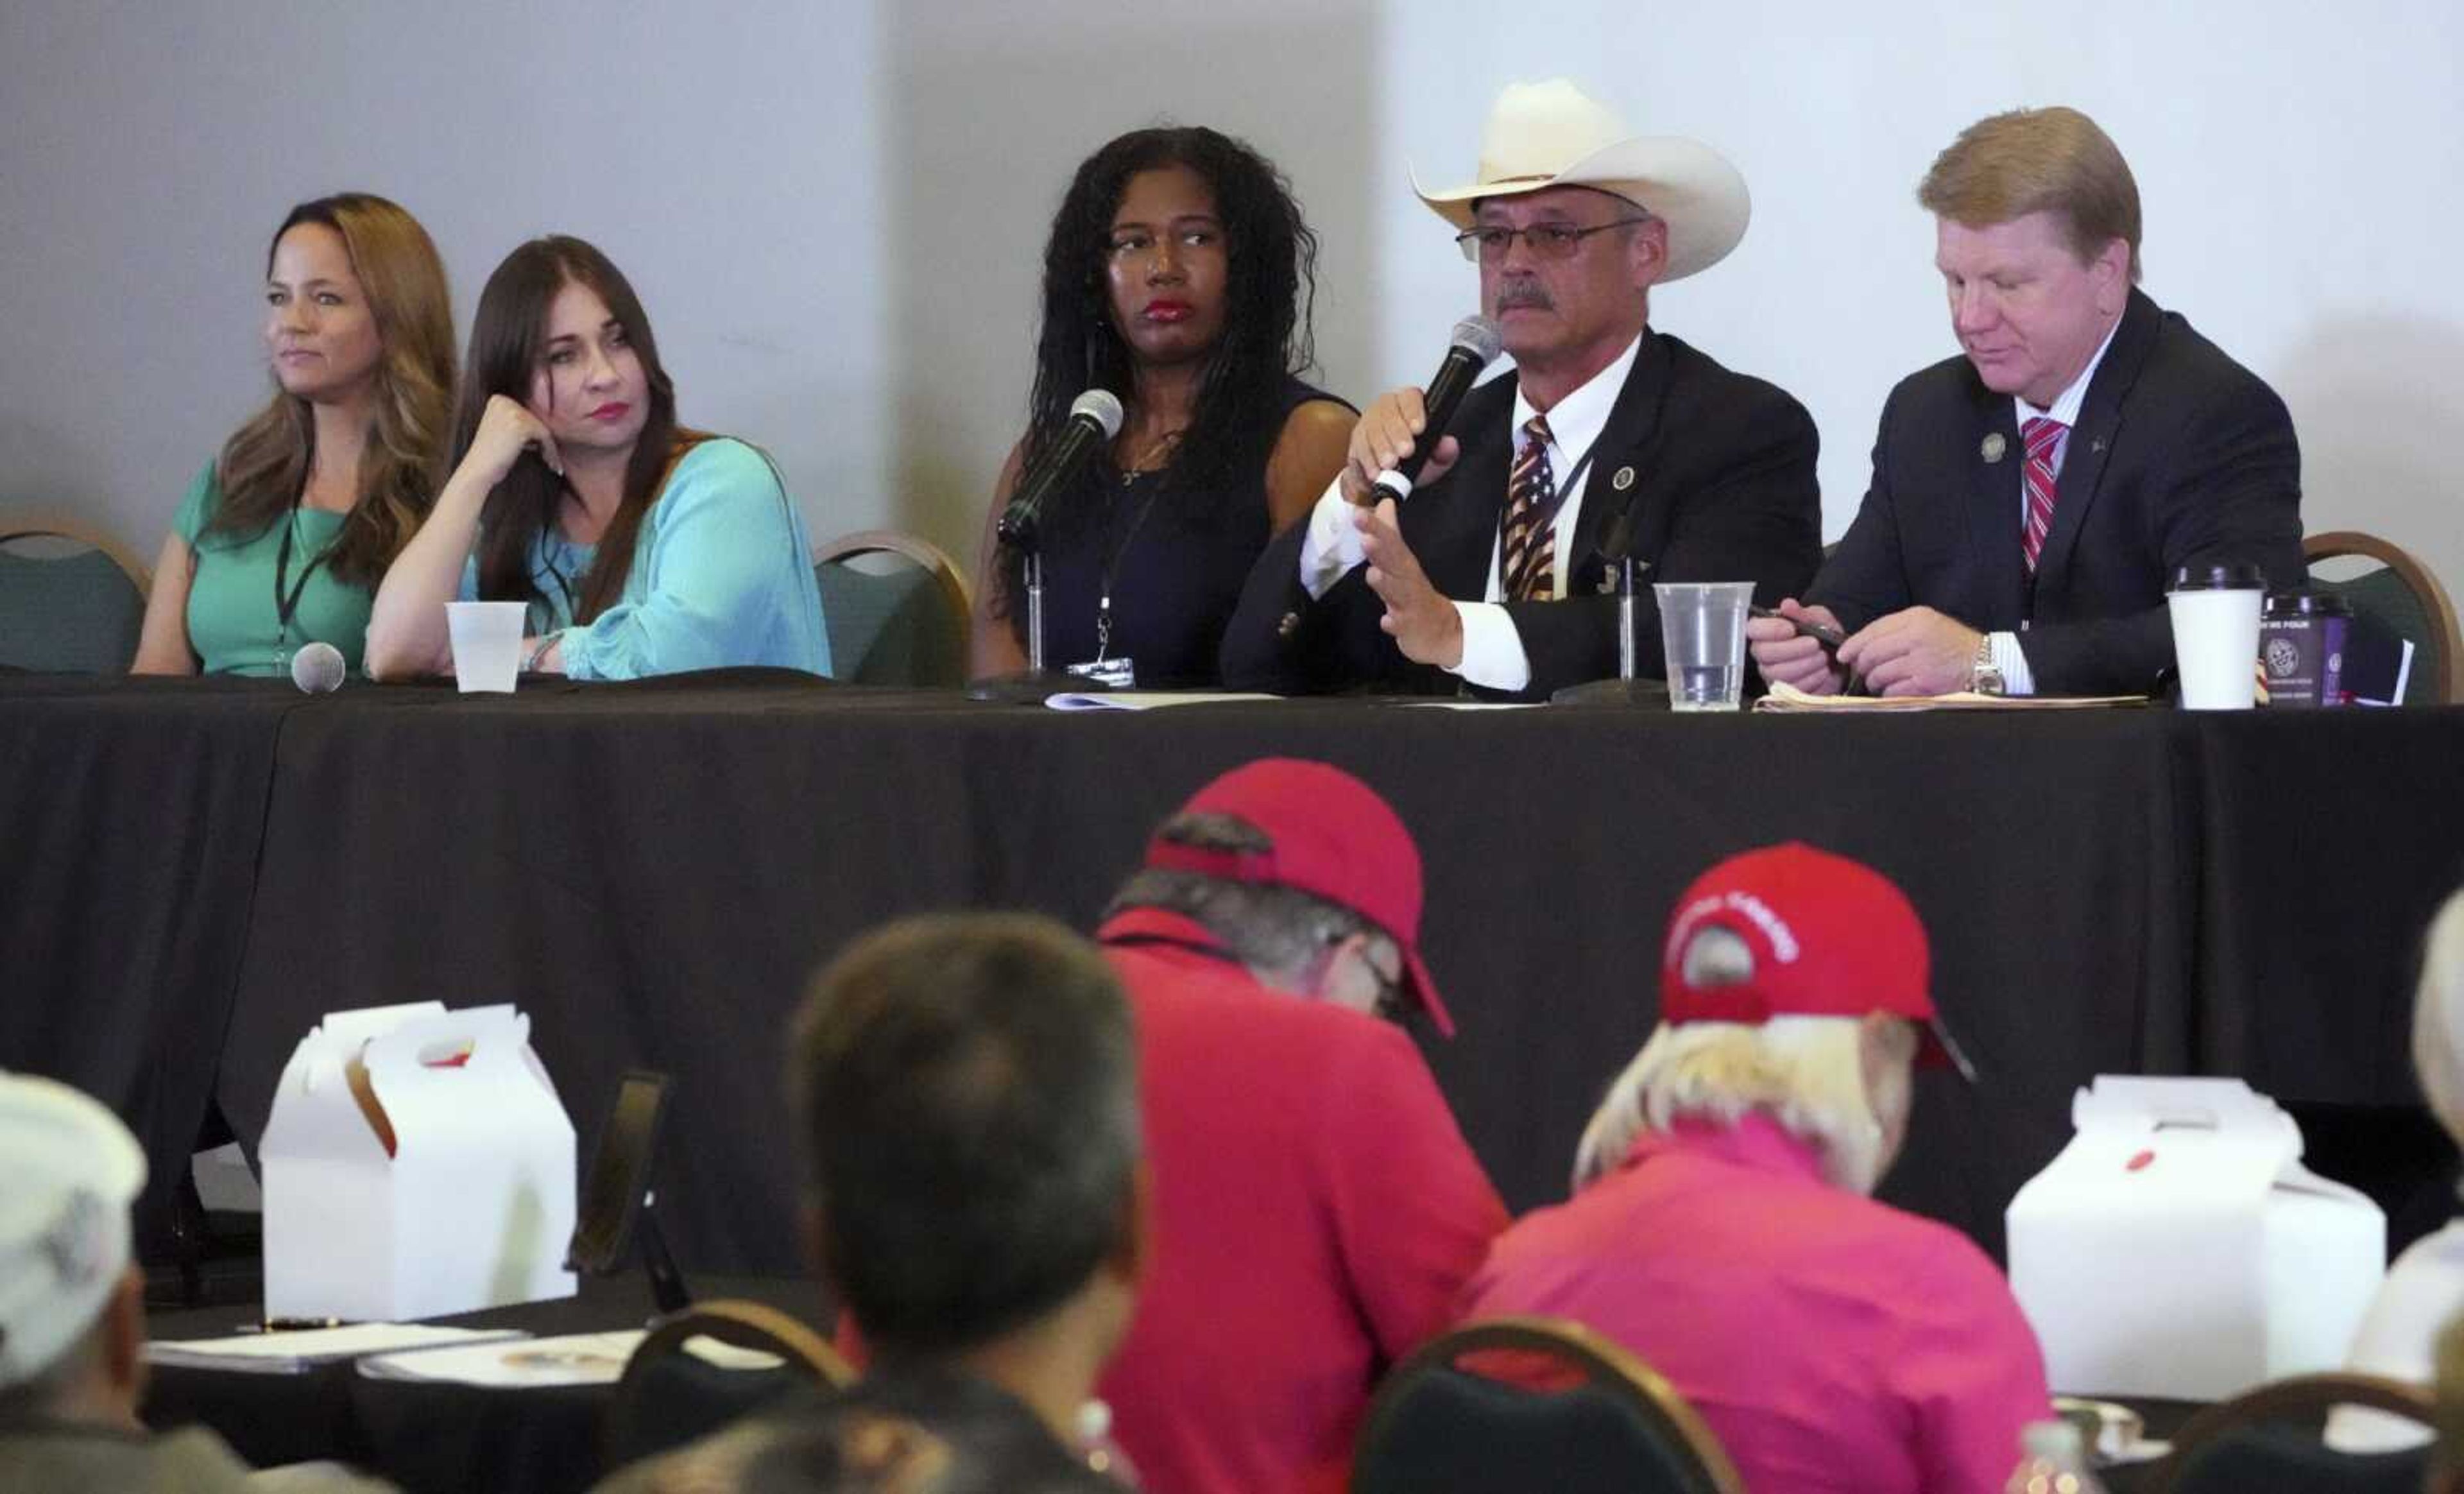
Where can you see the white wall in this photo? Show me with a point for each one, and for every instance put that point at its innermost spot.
(834, 211)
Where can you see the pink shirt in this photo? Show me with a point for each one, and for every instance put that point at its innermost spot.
(1316, 1215)
(1833, 1343)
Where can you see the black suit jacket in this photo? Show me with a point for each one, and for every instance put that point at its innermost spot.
(1718, 469)
(2181, 456)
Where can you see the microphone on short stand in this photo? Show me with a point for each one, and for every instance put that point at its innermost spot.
(1476, 344)
(1616, 549)
(1095, 419)
(317, 668)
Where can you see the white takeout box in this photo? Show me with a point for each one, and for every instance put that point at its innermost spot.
(2178, 1248)
(470, 1207)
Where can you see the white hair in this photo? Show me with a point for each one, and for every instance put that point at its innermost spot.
(2438, 1018)
(1804, 1072)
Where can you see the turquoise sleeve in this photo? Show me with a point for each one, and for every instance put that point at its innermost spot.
(720, 577)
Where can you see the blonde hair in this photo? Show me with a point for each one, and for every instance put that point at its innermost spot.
(1807, 1073)
(2438, 1018)
(2055, 159)
(264, 466)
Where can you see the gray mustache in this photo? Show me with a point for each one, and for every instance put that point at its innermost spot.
(1523, 292)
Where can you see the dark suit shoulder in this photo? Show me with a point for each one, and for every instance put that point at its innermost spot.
(1700, 380)
(2183, 366)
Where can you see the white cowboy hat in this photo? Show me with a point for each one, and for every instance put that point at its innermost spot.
(1544, 134)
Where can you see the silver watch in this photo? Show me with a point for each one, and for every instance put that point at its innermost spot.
(1984, 675)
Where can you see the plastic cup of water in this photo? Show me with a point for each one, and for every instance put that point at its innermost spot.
(1703, 630)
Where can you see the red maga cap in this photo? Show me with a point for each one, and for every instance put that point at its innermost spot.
(1331, 837)
(1828, 936)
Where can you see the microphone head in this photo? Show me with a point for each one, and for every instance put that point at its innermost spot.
(1480, 337)
(317, 668)
(1100, 406)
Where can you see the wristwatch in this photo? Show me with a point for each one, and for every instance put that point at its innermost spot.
(1984, 675)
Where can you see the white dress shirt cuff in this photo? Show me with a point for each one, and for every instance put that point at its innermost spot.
(2012, 660)
(1492, 656)
(1332, 547)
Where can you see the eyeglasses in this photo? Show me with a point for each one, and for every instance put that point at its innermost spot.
(1548, 240)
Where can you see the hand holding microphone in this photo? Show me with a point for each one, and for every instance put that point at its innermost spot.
(1401, 440)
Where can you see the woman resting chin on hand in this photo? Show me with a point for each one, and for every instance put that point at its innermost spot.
(638, 546)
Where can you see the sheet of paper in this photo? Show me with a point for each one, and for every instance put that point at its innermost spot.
(531, 1363)
(1789, 699)
(293, 1350)
(543, 1363)
(1473, 705)
(1147, 700)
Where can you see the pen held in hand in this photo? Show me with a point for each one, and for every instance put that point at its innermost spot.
(1829, 637)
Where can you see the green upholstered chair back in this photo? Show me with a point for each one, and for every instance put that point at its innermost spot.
(2267, 1439)
(71, 601)
(896, 609)
(1533, 1403)
(2403, 595)
(669, 1396)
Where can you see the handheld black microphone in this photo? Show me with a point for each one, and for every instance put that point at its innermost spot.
(1476, 344)
(1094, 418)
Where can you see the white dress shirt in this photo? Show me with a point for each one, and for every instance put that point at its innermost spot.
(2009, 657)
(1493, 655)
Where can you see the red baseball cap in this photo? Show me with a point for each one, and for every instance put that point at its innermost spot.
(1829, 937)
(1332, 837)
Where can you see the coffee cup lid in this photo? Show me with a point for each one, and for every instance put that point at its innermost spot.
(2309, 604)
(2239, 575)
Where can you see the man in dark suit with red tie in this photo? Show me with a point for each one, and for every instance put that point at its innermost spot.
(1494, 572)
(2033, 497)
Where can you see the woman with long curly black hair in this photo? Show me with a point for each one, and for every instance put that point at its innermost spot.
(1179, 275)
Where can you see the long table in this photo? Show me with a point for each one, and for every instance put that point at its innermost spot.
(191, 873)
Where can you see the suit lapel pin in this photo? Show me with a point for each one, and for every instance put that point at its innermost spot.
(1623, 479)
(2096, 445)
(1992, 448)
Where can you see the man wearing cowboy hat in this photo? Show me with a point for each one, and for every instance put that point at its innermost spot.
(1493, 573)
(2033, 498)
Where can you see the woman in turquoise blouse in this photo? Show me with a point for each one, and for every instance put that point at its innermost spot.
(638, 546)
(284, 535)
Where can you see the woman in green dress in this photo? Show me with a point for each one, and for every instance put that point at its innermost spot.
(284, 535)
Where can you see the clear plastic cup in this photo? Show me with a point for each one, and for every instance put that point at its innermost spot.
(486, 638)
(1703, 631)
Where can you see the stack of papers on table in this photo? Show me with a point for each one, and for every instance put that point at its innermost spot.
(294, 1351)
(1789, 699)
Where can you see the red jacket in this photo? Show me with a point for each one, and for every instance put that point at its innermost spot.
(1316, 1213)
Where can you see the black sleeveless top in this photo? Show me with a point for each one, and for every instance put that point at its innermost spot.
(1179, 558)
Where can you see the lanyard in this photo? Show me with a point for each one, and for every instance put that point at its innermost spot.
(1113, 553)
(286, 602)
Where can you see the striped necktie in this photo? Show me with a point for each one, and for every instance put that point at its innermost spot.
(2042, 436)
(1527, 552)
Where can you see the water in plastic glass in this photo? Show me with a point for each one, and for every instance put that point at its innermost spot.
(486, 638)
(1702, 627)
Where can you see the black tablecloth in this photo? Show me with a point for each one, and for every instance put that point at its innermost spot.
(652, 871)
(430, 1436)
